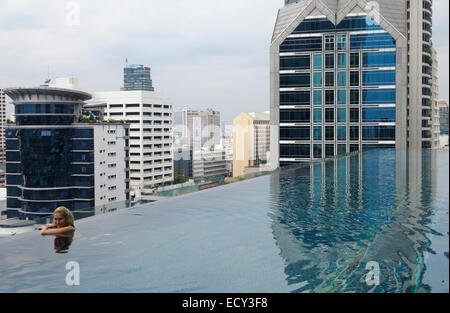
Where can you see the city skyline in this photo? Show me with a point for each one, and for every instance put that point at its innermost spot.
(224, 65)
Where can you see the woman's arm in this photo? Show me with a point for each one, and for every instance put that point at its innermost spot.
(57, 231)
(47, 226)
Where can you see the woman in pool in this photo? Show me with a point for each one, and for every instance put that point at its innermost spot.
(62, 223)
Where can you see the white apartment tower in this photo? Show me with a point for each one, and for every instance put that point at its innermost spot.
(435, 98)
(150, 117)
(421, 118)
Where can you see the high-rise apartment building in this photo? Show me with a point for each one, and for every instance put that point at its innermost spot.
(2, 125)
(137, 77)
(435, 121)
(251, 141)
(55, 160)
(150, 116)
(349, 75)
(420, 74)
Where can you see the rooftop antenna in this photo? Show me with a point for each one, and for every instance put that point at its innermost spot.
(48, 75)
(126, 62)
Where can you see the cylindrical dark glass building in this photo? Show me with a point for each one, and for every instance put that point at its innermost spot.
(49, 159)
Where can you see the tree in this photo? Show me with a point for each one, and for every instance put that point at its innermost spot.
(179, 179)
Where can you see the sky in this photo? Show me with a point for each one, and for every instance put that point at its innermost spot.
(203, 53)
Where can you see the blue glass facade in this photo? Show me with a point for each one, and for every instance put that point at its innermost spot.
(344, 77)
(137, 77)
(49, 162)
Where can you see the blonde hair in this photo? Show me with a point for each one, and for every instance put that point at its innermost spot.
(66, 214)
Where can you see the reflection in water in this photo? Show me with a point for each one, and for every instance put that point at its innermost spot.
(330, 219)
(63, 242)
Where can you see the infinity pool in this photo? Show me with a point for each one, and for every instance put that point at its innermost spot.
(314, 228)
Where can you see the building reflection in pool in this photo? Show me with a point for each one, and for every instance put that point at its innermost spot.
(330, 219)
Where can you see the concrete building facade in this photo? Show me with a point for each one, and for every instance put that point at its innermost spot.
(150, 116)
(421, 118)
(208, 163)
(435, 121)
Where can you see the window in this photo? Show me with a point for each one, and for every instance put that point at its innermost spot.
(295, 133)
(378, 78)
(354, 115)
(295, 97)
(329, 79)
(354, 133)
(301, 44)
(342, 96)
(342, 149)
(317, 115)
(317, 132)
(294, 80)
(378, 133)
(329, 115)
(342, 115)
(317, 151)
(342, 60)
(342, 133)
(317, 79)
(329, 97)
(342, 79)
(329, 61)
(318, 61)
(329, 150)
(302, 62)
(354, 60)
(293, 151)
(371, 41)
(298, 116)
(378, 96)
(329, 42)
(354, 79)
(378, 59)
(378, 115)
(342, 42)
(354, 96)
(317, 97)
(354, 148)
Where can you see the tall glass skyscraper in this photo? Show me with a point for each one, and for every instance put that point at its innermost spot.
(334, 82)
(350, 75)
(137, 77)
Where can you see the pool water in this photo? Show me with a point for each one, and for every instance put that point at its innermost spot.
(313, 228)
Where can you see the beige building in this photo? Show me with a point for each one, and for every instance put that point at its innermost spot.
(251, 142)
